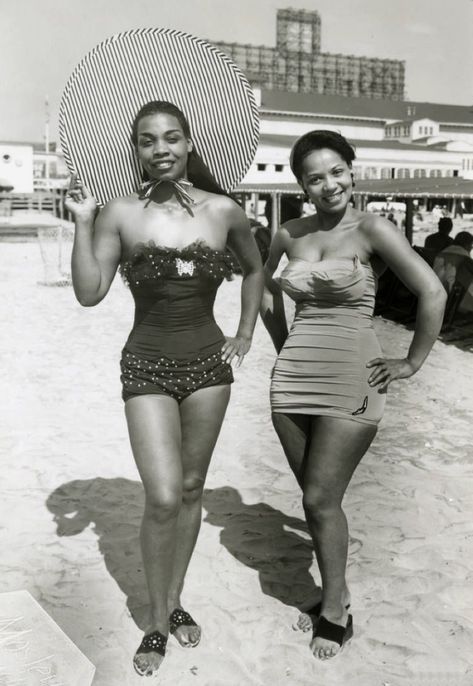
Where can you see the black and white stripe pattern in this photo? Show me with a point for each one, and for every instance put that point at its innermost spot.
(126, 71)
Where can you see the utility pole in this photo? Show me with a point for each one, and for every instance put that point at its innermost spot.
(46, 139)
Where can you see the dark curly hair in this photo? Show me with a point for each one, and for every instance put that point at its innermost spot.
(197, 171)
(316, 140)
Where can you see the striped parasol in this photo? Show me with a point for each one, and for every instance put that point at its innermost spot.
(126, 71)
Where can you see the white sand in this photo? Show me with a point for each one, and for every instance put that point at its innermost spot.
(71, 506)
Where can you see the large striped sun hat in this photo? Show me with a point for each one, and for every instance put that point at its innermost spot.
(123, 73)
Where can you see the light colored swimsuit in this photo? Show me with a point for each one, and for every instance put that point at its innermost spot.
(321, 369)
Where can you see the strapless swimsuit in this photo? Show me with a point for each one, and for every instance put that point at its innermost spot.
(321, 369)
(174, 347)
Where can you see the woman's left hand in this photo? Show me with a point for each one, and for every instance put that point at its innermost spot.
(385, 371)
(238, 346)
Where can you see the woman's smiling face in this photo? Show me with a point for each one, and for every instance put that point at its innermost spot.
(162, 147)
(327, 180)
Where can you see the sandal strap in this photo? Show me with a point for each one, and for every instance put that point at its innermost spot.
(334, 632)
(180, 617)
(317, 609)
(155, 642)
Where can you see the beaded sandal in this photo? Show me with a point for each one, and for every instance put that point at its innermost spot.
(180, 617)
(155, 642)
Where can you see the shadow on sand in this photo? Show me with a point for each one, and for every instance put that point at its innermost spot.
(266, 540)
(113, 508)
(259, 536)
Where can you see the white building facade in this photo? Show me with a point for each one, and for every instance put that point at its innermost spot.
(16, 166)
(387, 146)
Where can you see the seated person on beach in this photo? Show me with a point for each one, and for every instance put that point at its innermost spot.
(454, 263)
(441, 239)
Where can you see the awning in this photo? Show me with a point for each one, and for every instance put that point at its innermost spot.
(439, 187)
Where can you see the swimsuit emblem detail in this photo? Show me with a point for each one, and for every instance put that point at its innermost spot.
(363, 408)
(185, 266)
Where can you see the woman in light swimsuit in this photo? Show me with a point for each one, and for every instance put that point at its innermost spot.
(170, 241)
(330, 377)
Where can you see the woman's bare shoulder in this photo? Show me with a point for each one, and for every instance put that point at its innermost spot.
(122, 203)
(370, 223)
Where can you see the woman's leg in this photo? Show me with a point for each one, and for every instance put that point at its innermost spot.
(294, 432)
(202, 415)
(336, 448)
(155, 434)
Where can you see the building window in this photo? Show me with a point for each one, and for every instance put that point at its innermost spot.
(420, 173)
(403, 173)
(261, 166)
(371, 173)
(386, 173)
(278, 167)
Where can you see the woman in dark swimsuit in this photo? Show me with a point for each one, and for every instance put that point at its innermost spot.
(330, 378)
(170, 240)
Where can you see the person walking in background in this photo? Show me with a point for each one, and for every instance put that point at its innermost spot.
(330, 378)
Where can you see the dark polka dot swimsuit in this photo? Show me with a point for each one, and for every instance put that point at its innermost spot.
(175, 345)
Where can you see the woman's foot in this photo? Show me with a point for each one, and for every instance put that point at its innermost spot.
(332, 631)
(309, 616)
(150, 652)
(184, 628)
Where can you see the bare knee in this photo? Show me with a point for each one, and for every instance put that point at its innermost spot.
(162, 506)
(319, 504)
(193, 488)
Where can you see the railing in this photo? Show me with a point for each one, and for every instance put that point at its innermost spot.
(52, 202)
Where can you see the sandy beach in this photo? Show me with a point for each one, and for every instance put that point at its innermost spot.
(72, 501)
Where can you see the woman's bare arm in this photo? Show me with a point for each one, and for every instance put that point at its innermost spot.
(387, 242)
(242, 243)
(97, 247)
(272, 304)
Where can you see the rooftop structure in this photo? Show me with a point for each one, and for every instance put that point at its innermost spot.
(297, 64)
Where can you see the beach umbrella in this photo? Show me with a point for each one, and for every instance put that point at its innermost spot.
(121, 74)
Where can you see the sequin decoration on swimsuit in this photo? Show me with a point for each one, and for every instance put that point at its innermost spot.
(174, 347)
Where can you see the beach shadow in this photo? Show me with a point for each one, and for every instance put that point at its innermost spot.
(266, 540)
(98, 503)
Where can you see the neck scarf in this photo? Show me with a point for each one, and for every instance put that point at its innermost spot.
(180, 186)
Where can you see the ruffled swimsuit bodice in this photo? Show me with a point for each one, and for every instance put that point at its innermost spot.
(341, 285)
(174, 292)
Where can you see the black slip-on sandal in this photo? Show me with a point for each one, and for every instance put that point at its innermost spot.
(314, 612)
(334, 632)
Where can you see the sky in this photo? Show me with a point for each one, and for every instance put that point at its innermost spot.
(43, 40)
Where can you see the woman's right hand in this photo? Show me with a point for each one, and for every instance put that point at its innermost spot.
(80, 201)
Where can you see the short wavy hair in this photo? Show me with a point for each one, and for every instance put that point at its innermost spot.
(316, 140)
